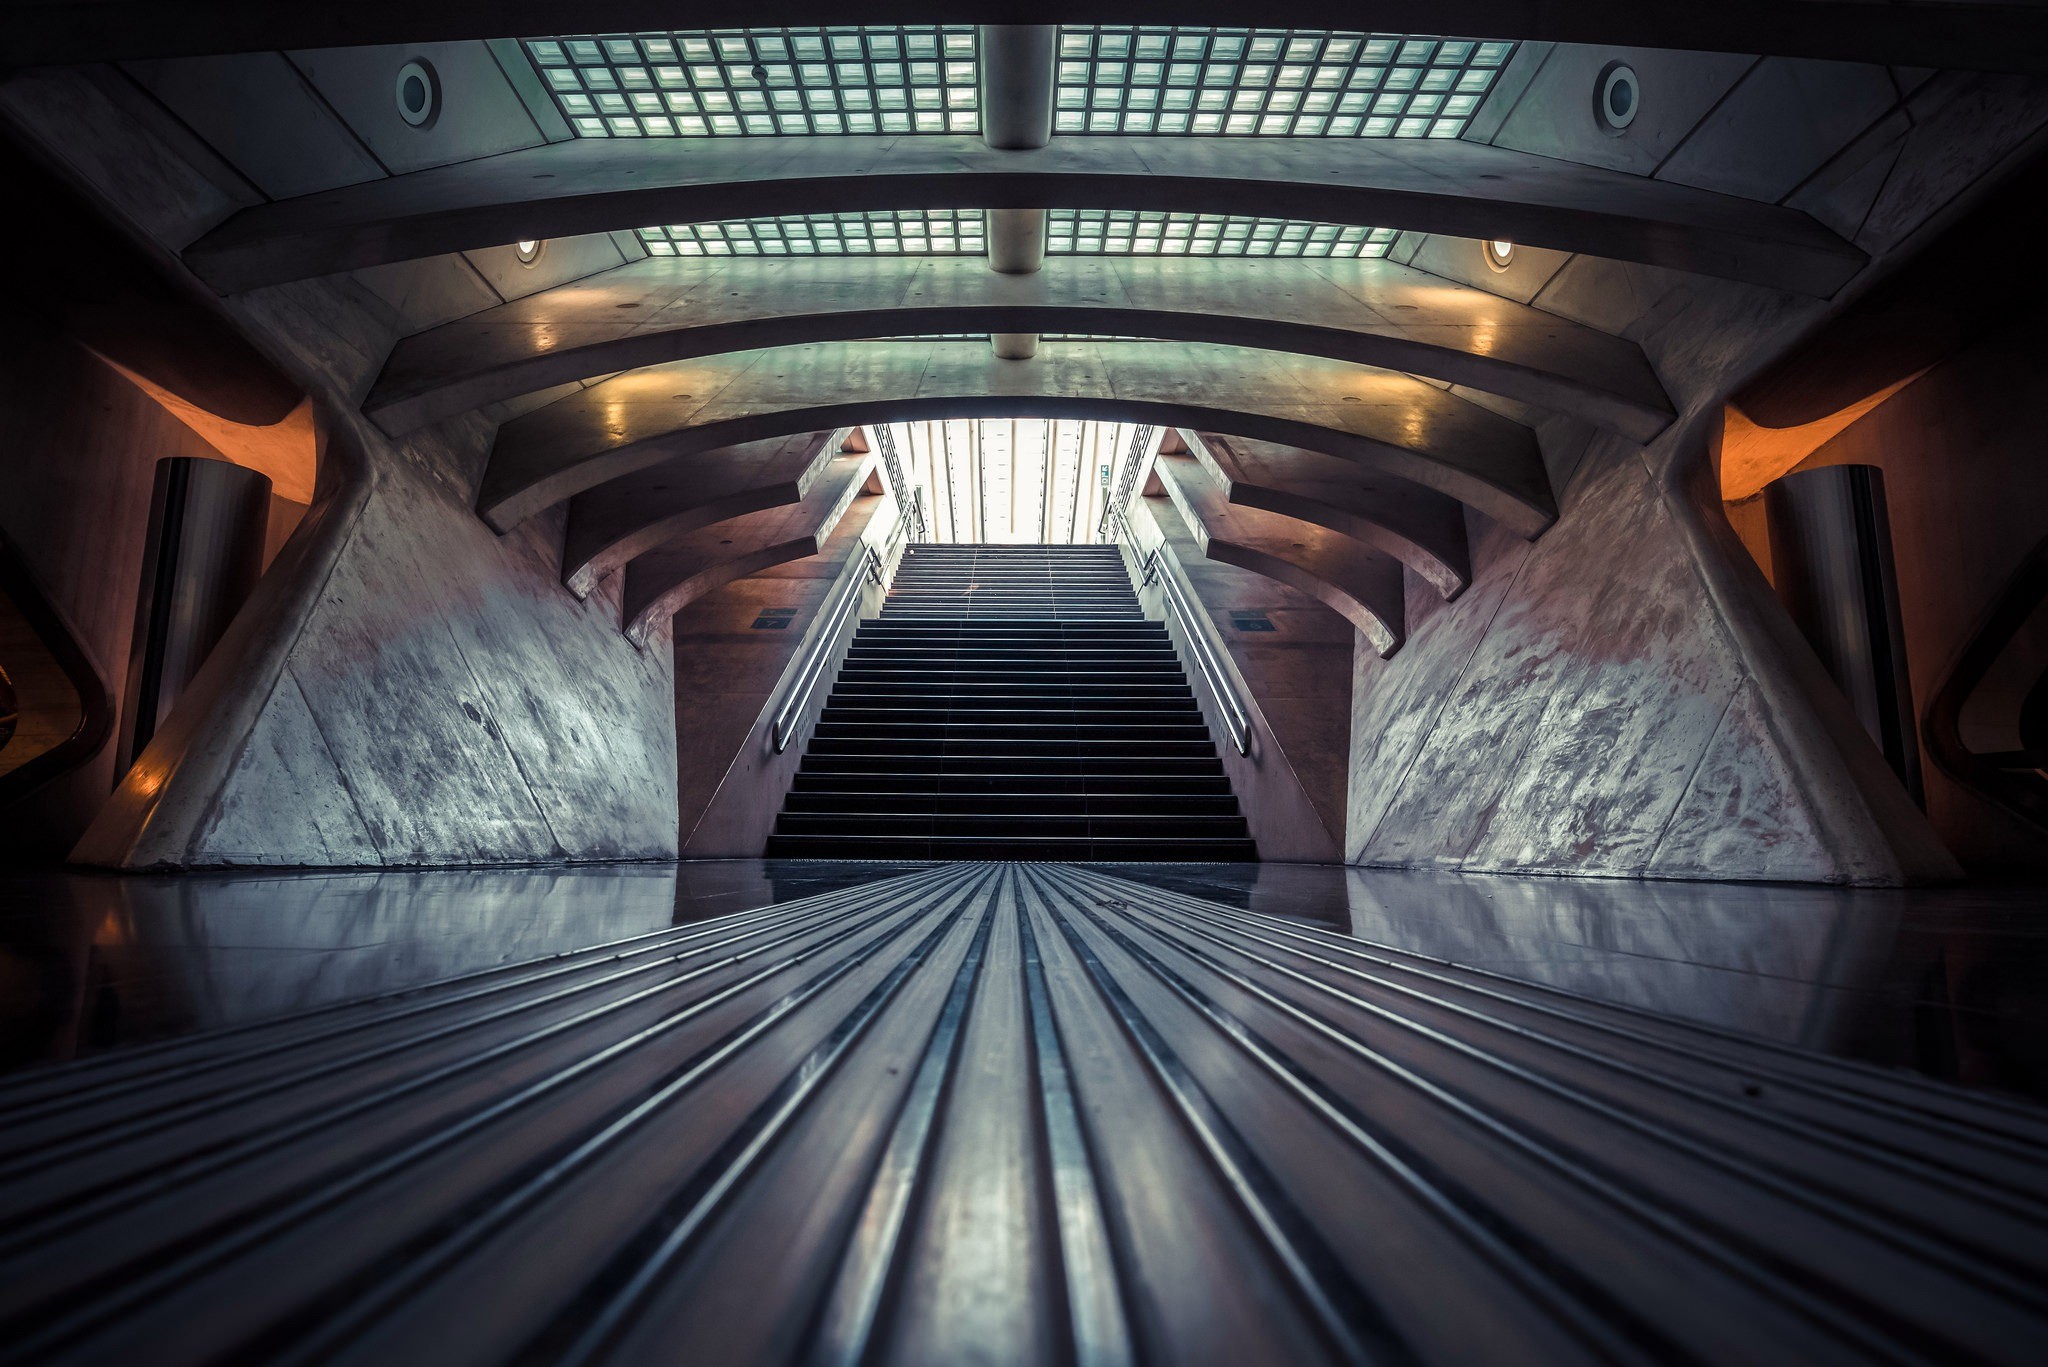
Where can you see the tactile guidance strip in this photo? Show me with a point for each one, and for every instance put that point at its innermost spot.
(1011, 1112)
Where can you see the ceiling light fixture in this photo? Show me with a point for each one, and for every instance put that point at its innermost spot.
(529, 251)
(1617, 95)
(1499, 255)
(418, 92)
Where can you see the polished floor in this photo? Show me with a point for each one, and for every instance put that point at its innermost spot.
(1951, 982)
(1016, 1113)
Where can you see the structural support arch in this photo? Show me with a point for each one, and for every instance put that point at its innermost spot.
(1433, 185)
(1368, 312)
(611, 524)
(663, 580)
(1397, 425)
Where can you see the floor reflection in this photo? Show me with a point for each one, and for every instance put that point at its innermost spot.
(1952, 982)
(90, 962)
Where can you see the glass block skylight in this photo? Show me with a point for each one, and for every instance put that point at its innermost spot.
(1125, 232)
(764, 82)
(1270, 82)
(902, 232)
(1069, 232)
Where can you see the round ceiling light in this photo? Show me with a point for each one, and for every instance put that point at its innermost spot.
(1499, 255)
(418, 92)
(529, 251)
(1617, 96)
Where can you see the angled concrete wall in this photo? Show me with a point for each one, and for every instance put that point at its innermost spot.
(406, 687)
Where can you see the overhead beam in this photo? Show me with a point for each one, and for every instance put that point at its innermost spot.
(1425, 185)
(663, 580)
(1392, 423)
(1359, 583)
(1421, 528)
(1017, 91)
(1986, 35)
(1369, 312)
(620, 520)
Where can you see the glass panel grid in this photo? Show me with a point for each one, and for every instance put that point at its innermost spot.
(764, 82)
(1128, 232)
(899, 232)
(1270, 82)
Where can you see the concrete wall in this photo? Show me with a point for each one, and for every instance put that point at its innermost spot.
(1623, 697)
(406, 687)
(731, 679)
(1967, 489)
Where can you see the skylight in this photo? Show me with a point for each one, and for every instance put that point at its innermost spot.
(1125, 232)
(1270, 82)
(764, 82)
(1013, 480)
(1069, 232)
(901, 232)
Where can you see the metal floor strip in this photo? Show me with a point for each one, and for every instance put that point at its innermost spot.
(1017, 1113)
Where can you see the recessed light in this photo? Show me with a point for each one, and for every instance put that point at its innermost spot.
(1617, 95)
(529, 250)
(1499, 255)
(418, 92)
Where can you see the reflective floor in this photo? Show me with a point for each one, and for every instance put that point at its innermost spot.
(1950, 982)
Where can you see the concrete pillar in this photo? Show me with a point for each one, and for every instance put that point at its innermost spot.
(1016, 115)
(1017, 85)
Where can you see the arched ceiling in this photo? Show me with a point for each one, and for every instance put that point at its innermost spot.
(1191, 229)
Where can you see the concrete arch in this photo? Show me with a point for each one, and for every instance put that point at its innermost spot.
(1391, 423)
(663, 580)
(611, 524)
(1981, 35)
(1423, 531)
(1368, 312)
(1359, 583)
(1447, 186)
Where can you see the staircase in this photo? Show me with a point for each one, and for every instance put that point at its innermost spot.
(1011, 702)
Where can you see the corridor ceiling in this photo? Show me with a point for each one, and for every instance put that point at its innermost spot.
(1012, 247)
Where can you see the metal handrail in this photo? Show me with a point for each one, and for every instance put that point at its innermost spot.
(1234, 715)
(822, 646)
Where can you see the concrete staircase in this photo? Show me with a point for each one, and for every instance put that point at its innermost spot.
(1011, 702)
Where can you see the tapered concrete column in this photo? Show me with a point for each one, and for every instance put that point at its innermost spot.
(1016, 114)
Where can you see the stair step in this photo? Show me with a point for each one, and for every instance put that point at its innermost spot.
(1110, 850)
(1045, 804)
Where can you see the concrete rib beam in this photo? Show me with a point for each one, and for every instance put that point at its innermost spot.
(1421, 528)
(1360, 584)
(1425, 185)
(1375, 313)
(617, 521)
(1391, 423)
(1969, 35)
(666, 578)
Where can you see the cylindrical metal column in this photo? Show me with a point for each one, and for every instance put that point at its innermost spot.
(1831, 560)
(205, 551)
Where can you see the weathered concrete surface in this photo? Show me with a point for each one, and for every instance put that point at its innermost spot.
(1294, 681)
(1378, 313)
(614, 522)
(1350, 578)
(1417, 526)
(685, 567)
(731, 680)
(1391, 423)
(1431, 185)
(1582, 709)
(403, 687)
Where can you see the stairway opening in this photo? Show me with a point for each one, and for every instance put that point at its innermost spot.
(1012, 702)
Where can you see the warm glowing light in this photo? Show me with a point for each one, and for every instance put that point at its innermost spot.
(1499, 253)
(529, 247)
